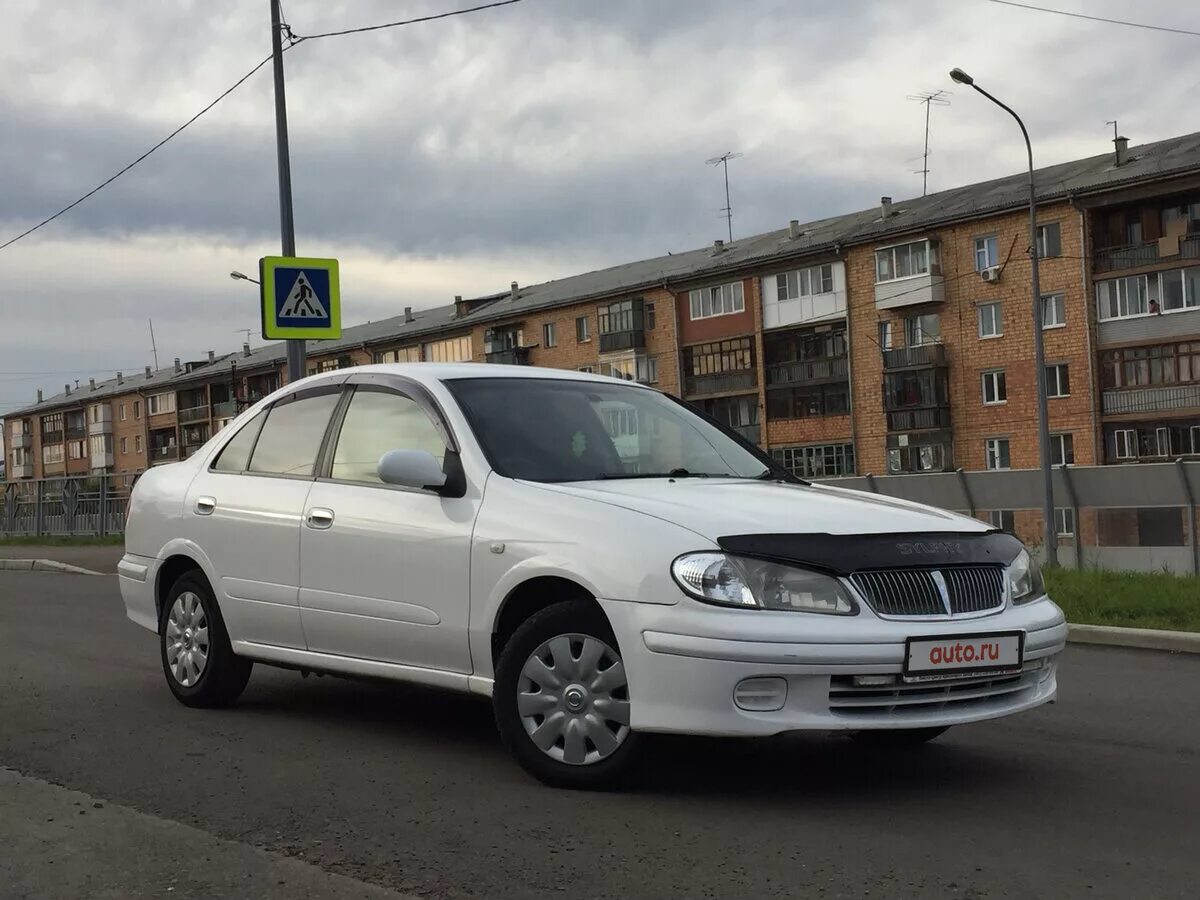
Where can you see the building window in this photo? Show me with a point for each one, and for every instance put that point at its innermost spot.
(450, 350)
(734, 355)
(885, 335)
(1180, 289)
(647, 369)
(926, 329)
(122, 413)
(1004, 519)
(996, 453)
(720, 300)
(550, 335)
(1054, 311)
(75, 449)
(52, 453)
(137, 443)
(1125, 443)
(157, 404)
(1062, 449)
(808, 401)
(823, 461)
(918, 458)
(905, 260)
(987, 252)
(625, 315)
(1165, 364)
(582, 334)
(995, 390)
(137, 409)
(804, 282)
(124, 445)
(650, 320)
(1058, 381)
(588, 369)
(990, 325)
(1064, 521)
(1121, 298)
(403, 355)
(1049, 240)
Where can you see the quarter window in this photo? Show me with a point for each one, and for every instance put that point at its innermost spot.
(291, 436)
(376, 422)
(235, 456)
(990, 324)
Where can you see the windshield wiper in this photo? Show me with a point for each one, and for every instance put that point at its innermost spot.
(674, 473)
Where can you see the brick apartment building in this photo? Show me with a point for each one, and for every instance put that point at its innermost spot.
(891, 340)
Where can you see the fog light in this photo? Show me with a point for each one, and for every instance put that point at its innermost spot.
(760, 694)
(874, 680)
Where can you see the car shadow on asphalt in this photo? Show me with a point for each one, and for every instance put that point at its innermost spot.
(811, 765)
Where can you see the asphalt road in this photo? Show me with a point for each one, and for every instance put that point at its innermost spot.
(328, 787)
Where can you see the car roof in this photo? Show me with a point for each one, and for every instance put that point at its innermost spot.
(428, 373)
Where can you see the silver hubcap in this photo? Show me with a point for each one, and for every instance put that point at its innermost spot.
(573, 699)
(187, 639)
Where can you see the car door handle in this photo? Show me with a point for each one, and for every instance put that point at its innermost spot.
(318, 517)
(205, 505)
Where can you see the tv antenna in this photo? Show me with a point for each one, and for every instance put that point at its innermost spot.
(1116, 134)
(723, 160)
(245, 331)
(153, 345)
(928, 99)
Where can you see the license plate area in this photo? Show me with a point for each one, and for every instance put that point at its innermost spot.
(933, 657)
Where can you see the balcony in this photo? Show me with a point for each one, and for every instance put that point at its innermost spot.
(102, 460)
(52, 437)
(922, 356)
(226, 409)
(919, 418)
(21, 441)
(163, 454)
(104, 426)
(76, 431)
(1132, 256)
(751, 433)
(21, 470)
(632, 339)
(812, 372)
(721, 383)
(515, 356)
(911, 291)
(194, 414)
(1151, 400)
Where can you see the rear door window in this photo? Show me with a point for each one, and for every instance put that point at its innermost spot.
(291, 437)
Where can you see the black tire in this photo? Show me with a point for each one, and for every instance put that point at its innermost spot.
(898, 737)
(571, 617)
(224, 675)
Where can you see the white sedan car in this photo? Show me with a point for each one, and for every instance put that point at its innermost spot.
(597, 557)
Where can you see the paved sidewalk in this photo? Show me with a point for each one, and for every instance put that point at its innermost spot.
(98, 558)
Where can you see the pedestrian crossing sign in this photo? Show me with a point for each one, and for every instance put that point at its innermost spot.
(300, 298)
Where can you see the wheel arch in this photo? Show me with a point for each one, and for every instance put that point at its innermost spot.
(529, 597)
(178, 558)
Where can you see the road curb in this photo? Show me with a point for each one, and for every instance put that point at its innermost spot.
(1142, 638)
(43, 565)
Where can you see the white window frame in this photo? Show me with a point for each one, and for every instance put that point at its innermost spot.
(583, 335)
(123, 412)
(891, 252)
(1150, 292)
(1059, 307)
(154, 401)
(1041, 239)
(124, 446)
(550, 334)
(991, 453)
(1059, 441)
(999, 384)
(717, 300)
(1129, 437)
(989, 246)
(1057, 391)
(885, 335)
(137, 443)
(990, 311)
(590, 370)
(1064, 521)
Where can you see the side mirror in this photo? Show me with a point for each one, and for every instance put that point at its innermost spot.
(411, 468)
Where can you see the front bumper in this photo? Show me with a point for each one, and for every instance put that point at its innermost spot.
(688, 666)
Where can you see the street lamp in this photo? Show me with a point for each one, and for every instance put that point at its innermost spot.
(1049, 532)
(239, 276)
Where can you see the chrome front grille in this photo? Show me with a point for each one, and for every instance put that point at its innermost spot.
(948, 591)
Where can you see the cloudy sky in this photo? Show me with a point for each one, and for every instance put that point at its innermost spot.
(523, 143)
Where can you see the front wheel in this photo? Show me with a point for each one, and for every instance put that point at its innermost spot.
(561, 699)
(200, 666)
(898, 737)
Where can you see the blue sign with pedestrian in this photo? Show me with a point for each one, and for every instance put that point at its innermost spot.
(300, 298)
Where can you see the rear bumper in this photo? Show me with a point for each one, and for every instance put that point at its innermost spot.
(137, 576)
(699, 681)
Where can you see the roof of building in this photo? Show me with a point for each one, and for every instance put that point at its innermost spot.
(1158, 160)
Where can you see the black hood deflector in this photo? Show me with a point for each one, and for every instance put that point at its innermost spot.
(842, 554)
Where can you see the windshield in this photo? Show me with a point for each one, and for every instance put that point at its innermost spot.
(547, 430)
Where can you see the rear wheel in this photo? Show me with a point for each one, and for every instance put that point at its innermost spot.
(898, 737)
(561, 699)
(198, 662)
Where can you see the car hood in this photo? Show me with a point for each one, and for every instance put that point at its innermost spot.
(719, 507)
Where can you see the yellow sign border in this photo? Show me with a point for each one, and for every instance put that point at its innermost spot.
(271, 329)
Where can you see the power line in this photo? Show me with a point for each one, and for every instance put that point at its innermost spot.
(122, 171)
(1075, 15)
(430, 18)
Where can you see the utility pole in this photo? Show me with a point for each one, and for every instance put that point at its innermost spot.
(723, 160)
(287, 227)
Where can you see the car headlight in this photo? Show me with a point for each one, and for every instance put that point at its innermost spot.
(1023, 578)
(758, 584)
